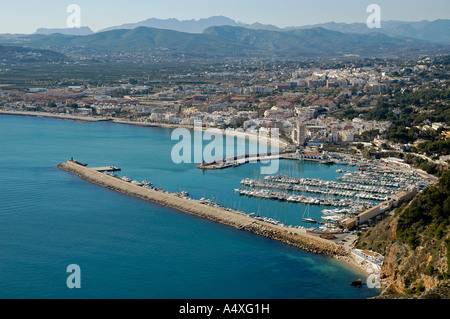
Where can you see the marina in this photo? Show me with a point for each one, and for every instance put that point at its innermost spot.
(327, 188)
(314, 182)
(101, 214)
(384, 177)
(359, 186)
(358, 195)
(284, 196)
(352, 210)
(208, 209)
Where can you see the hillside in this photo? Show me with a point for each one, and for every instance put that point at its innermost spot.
(139, 39)
(434, 31)
(416, 244)
(16, 54)
(315, 41)
(228, 41)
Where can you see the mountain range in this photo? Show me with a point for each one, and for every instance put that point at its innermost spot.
(226, 41)
(66, 31)
(434, 31)
(189, 26)
(255, 40)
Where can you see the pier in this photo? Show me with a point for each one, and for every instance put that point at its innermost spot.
(237, 160)
(292, 236)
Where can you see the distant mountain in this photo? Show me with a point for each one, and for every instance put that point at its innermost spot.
(190, 26)
(260, 26)
(434, 31)
(314, 41)
(226, 41)
(437, 31)
(65, 31)
(139, 39)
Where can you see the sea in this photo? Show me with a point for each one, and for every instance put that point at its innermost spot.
(127, 248)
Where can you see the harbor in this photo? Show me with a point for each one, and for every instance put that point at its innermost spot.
(322, 187)
(343, 205)
(296, 236)
(123, 228)
(326, 239)
(358, 194)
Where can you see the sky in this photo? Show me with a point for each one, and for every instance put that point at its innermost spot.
(25, 16)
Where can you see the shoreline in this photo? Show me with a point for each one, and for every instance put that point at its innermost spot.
(351, 262)
(296, 237)
(252, 137)
(56, 116)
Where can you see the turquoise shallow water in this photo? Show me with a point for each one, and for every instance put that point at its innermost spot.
(129, 248)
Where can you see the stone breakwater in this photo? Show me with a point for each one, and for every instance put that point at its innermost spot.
(292, 236)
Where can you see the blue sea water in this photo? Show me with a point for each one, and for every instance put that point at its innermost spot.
(130, 248)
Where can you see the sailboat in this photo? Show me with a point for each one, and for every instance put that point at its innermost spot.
(307, 218)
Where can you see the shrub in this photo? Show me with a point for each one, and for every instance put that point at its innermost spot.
(429, 271)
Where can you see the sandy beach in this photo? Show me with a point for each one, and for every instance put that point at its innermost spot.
(56, 116)
(251, 137)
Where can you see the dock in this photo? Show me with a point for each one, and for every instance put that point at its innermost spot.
(237, 160)
(289, 235)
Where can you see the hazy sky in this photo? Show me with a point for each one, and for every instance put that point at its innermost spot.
(25, 16)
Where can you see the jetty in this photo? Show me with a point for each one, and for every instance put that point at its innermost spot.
(289, 235)
(237, 160)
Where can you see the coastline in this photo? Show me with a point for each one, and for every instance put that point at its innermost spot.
(252, 137)
(351, 262)
(292, 236)
(56, 116)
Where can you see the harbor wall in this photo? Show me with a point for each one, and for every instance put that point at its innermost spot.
(292, 236)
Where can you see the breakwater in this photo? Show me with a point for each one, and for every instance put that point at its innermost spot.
(292, 236)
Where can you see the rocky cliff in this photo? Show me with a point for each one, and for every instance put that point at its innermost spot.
(415, 241)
